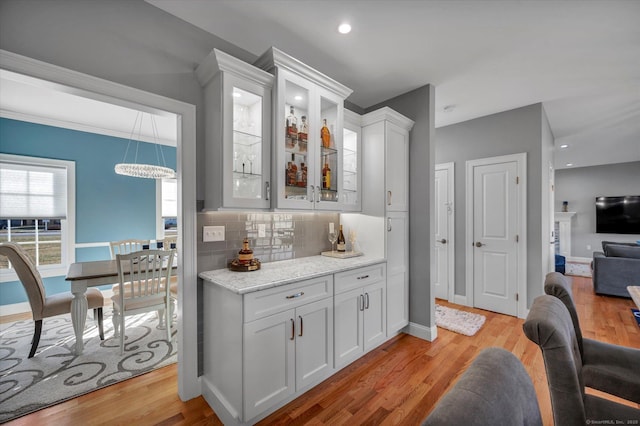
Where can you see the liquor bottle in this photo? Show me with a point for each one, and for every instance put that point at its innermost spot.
(326, 176)
(304, 174)
(342, 245)
(293, 175)
(325, 134)
(292, 129)
(245, 255)
(287, 173)
(302, 134)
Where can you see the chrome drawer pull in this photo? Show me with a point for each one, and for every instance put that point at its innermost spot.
(293, 296)
(363, 277)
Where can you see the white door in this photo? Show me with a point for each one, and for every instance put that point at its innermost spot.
(444, 253)
(495, 234)
(375, 325)
(397, 175)
(269, 350)
(314, 342)
(348, 314)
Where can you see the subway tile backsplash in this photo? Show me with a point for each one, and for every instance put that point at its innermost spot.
(288, 236)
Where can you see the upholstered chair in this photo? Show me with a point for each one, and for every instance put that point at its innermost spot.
(495, 390)
(549, 325)
(43, 306)
(613, 369)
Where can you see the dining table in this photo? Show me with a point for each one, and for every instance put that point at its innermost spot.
(83, 275)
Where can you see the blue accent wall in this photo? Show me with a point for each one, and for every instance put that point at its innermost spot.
(109, 207)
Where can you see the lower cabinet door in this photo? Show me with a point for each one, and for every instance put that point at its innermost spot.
(375, 324)
(314, 342)
(397, 302)
(348, 314)
(269, 365)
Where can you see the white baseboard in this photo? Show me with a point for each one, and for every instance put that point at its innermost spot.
(422, 332)
(576, 259)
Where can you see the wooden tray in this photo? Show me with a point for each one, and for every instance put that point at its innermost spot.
(239, 267)
(343, 255)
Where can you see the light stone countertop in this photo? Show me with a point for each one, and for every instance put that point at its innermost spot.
(274, 274)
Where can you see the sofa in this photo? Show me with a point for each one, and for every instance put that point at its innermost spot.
(616, 267)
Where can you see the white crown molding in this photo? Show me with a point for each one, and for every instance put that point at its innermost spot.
(388, 114)
(274, 57)
(352, 117)
(217, 61)
(48, 121)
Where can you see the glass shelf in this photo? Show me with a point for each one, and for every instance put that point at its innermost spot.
(246, 139)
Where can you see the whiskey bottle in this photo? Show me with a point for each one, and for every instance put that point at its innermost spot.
(245, 255)
(292, 129)
(302, 134)
(342, 245)
(287, 173)
(325, 134)
(293, 174)
(326, 176)
(304, 174)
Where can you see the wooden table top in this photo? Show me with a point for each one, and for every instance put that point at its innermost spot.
(95, 269)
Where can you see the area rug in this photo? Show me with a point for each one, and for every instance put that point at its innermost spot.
(56, 374)
(578, 269)
(462, 322)
(636, 315)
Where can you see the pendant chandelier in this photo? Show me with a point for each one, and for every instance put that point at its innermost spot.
(148, 171)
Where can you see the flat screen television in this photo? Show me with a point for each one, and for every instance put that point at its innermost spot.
(618, 215)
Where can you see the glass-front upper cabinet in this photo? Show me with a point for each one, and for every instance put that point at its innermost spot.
(351, 162)
(238, 133)
(307, 135)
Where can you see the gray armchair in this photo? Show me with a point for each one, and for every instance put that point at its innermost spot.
(610, 368)
(495, 390)
(549, 325)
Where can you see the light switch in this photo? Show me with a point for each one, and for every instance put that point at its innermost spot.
(212, 233)
(262, 230)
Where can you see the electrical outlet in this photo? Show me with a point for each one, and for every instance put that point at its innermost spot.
(262, 230)
(331, 228)
(212, 233)
(588, 246)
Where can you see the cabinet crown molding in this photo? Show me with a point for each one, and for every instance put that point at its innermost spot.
(274, 57)
(218, 61)
(388, 114)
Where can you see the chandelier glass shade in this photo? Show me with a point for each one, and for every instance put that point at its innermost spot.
(141, 170)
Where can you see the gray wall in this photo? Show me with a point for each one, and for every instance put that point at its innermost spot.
(580, 186)
(125, 41)
(419, 105)
(509, 132)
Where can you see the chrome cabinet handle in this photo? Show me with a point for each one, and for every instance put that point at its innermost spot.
(267, 190)
(366, 298)
(363, 277)
(443, 241)
(293, 329)
(293, 296)
(389, 227)
(389, 194)
(313, 194)
(318, 192)
(479, 244)
(301, 329)
(361, 302)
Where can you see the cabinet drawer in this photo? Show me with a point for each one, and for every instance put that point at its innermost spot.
(360, 277)
(267, 302)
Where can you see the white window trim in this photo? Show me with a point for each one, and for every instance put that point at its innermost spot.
(68, 225)
(160, 234)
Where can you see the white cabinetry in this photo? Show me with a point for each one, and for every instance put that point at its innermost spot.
(352, 162)
(359, 307)
(301, 91)
(386, 195)
(238, 132)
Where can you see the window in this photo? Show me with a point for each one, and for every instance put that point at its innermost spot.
(37, 205)
(167, 194)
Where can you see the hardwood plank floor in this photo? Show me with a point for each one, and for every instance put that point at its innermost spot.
(397, 384)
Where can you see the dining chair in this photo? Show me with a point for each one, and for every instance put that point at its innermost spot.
(549, 325)
(43, 306)
(495, 390)
(610, 368)
(170, 243)
(143, 277)
(127, 246)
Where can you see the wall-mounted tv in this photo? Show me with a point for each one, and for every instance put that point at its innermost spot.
(618, 215)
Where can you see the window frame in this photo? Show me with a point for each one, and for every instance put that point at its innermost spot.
(160, 231)
(67, 226)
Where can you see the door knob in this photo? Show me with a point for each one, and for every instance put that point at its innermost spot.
(443, 241)
(479, 244)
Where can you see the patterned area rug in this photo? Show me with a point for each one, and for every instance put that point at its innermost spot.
(56, 374)
(578, 269)
(462, 322)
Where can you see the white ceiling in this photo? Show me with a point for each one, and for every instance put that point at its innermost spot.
(581, 59)
(30, 99)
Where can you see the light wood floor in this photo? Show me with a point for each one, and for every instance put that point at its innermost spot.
(398, 383)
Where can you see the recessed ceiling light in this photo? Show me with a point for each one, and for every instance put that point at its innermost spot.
(569, 164)
(449, 108)
(344, 28)
(297, 97)
(564, 146)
